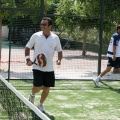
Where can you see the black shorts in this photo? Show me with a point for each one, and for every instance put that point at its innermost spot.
(115, 63)
(41, 78)
(110, 62)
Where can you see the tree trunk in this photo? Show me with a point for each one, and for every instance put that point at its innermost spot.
(84, 41)
(0, 40)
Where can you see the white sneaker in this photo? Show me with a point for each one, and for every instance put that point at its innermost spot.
(96, 81)
(40, 107)
(31, 98)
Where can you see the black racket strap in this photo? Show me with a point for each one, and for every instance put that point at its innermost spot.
(34, 62)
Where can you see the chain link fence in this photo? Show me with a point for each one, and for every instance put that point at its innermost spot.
(84, 41)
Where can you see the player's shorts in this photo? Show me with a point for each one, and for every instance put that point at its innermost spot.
(41, 78)
(115, 63)
(110, 62)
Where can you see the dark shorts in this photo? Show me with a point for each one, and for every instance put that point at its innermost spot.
(43, 78)
(115, 63)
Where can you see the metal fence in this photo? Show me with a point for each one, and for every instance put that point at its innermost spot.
(84, 47)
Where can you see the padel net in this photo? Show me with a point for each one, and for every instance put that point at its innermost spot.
(16, 105)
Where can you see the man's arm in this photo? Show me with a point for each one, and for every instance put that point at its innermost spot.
(27, 54)
(60, 55)
(114, 52)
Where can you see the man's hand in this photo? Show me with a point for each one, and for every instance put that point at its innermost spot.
(58, 62)
(113, 58)
(29, 62)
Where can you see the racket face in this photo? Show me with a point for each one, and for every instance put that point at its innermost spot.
(41, 60)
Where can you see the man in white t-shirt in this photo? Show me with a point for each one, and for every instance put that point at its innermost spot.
(113, 55)
(45, 42)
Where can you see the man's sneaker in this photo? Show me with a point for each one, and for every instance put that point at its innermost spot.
(40, 107)
(31, 98)
(96, 81)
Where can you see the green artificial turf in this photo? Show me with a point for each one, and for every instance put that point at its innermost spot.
(78, 100)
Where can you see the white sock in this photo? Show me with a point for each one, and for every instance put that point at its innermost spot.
(99, 77)
(40, 104)
(32, 94)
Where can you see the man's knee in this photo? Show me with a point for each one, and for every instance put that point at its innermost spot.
(36, 89)
(46, 89)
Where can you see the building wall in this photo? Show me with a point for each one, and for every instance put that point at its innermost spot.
(5, 32)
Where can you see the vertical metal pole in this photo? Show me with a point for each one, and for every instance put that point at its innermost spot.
(42, 8)
(100, 36)
(10, 32)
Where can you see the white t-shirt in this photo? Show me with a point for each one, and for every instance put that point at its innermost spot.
(118, 49)
(115, 40)
(47, 46)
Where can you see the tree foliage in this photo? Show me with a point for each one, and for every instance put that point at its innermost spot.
(86, 13)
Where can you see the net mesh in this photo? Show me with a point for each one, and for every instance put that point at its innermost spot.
(16, 106)
(79, 31)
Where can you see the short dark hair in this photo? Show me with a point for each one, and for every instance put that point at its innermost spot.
(118, 27)
(49, 20)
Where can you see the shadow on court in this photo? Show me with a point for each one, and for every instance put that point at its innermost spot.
(111, 88)
(50, 116)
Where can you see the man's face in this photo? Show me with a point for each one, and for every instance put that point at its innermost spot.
(118, 30)
(44, 25)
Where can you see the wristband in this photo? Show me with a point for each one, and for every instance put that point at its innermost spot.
(28, 60)
(27, 57)
(59, 60)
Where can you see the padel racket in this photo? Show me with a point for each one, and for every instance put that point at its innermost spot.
(40, 60)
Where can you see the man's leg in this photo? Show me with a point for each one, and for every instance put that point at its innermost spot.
(96, 80)
(32, 94)
(44, 95)
(35, 90)
(108, 68)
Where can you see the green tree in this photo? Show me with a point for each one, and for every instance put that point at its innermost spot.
(78, 16)
(85, 14)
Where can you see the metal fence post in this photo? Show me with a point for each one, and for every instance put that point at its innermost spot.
(9, 37)
(100, 36)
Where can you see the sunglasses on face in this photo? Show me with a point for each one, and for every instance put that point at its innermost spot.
(43, 24)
